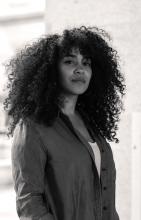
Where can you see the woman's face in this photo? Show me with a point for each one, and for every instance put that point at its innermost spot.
(74, 73)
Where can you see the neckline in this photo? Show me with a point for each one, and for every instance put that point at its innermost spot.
(84, 119)
(91, 142)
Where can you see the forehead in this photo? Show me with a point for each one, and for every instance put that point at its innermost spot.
(74, 51)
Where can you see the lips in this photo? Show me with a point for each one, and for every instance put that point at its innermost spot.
(78, 80)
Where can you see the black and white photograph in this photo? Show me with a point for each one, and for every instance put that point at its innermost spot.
(70, 110)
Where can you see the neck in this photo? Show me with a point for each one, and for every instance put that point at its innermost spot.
(67, 104)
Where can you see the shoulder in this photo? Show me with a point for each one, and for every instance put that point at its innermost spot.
(25, 126)
(26, 131)
(29, 129)
(29, 125)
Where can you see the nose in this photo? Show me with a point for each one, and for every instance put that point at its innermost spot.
(79, 69)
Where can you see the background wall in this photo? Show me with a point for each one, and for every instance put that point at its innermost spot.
(122, 20)
(25, 21)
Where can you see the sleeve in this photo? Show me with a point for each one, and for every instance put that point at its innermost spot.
(116, 215)
(28, 164)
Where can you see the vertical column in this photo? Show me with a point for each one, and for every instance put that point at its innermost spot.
(136, 166)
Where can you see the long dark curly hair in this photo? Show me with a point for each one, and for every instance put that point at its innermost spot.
(33, 80)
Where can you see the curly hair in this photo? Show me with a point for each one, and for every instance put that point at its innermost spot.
(33, 80)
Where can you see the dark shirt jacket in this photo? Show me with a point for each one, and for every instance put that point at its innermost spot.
(54, 173)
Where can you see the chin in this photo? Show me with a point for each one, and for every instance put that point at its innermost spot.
(79, 91)
(75, 90)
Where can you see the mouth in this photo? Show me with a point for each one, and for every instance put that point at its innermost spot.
(78, 80)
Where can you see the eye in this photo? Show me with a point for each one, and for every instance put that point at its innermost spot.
(87, 63)
(68, 61)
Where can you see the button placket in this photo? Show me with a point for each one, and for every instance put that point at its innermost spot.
(105, 207)
(104, 169)
(105, 188)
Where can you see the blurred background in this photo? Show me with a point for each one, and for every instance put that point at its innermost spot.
(24, 21)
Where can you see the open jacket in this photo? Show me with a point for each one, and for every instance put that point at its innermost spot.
(55, 176)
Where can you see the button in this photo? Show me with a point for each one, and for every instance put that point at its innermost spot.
(104, 187)
(104, 207)
(104, 169)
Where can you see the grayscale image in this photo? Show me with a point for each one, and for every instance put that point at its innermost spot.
(70, 110)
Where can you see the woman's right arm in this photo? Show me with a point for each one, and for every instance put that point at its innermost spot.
(28, 168)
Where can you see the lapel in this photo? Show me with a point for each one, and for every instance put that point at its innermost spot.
(78, 135)
(67, 121)
(97, 187)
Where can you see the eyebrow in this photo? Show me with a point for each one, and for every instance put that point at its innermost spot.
(69, 55)
(73, 56)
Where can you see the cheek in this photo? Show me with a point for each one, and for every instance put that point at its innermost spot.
(64, 75)
(89, 74)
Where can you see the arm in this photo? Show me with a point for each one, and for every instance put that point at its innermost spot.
(116, 215)
(28, 164)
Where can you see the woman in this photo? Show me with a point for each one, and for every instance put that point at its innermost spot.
(64, 102)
